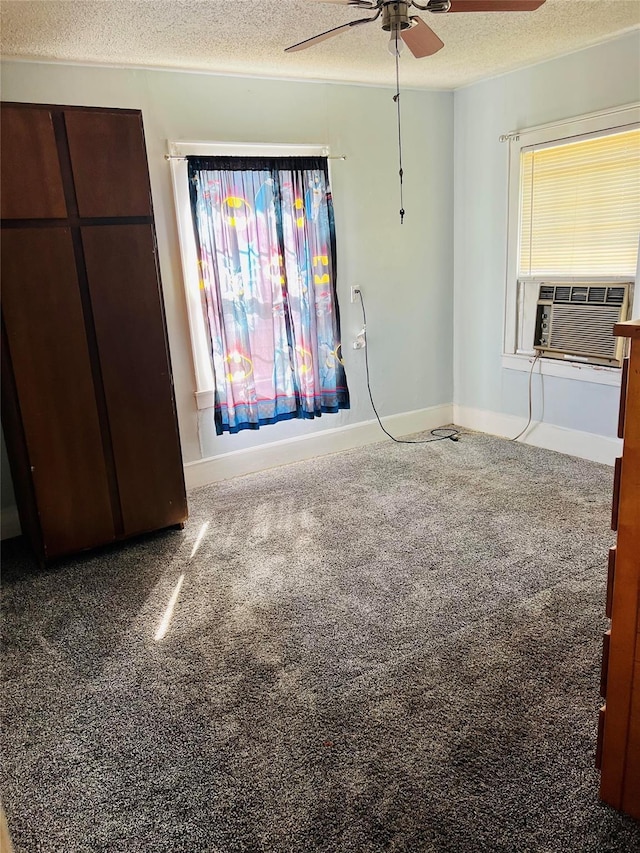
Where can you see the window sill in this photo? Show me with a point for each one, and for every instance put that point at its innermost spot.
(564, 369)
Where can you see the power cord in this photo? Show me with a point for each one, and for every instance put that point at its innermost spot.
(530, 403)
(451, 434)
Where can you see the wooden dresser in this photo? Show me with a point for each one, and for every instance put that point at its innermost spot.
(618, 754)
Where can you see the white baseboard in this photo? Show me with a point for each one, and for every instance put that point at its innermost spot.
(586, 445)
(9, 523)
(253, 459)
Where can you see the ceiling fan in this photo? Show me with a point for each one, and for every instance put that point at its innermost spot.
(419, 38)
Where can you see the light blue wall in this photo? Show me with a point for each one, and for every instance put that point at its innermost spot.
(598, 78)
(405, 272)
(452, 160)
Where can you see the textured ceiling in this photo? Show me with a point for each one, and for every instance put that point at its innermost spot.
(249, 36)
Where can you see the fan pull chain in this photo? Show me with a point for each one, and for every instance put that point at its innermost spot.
(396, 98)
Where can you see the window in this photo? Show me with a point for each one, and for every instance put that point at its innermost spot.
(574, 217)
(580, 207)
(264, 254)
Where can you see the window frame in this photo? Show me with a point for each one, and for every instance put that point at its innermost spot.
(575, 129)
(177, 153)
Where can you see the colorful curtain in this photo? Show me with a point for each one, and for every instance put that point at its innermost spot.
(265, 238)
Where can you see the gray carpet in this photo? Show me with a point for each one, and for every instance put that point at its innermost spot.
(391, 649)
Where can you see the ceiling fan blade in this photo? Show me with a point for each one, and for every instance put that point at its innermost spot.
(302, 45)
(421, 39)
(495, 5)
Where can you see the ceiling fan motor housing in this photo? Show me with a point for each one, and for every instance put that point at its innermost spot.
(395, 16)
(437, 6)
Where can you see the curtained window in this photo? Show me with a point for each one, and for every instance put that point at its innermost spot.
(265, 241)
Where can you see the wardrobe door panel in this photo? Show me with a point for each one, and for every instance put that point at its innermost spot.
(109, 163)
(30, 171)
(46, 337)
(129, 321)
(18, 454)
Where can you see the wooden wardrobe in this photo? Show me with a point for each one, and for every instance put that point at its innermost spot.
(87, 396)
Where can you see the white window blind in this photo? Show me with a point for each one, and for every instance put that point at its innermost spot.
(580, 207)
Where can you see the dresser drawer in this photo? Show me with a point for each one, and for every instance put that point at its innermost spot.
(623, 396)
(604, 667)
(615, 505)
(611, 574)
(601, 718)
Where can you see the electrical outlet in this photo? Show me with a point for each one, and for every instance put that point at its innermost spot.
(354, 294)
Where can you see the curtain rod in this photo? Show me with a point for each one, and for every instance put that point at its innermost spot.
(180, 157)
(623, 108)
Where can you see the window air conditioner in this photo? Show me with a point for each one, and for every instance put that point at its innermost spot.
(575, 322)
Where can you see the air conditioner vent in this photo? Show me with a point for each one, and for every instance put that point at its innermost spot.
(546, 291)
(597, 294)
(616, 295)
(584, 331)
(563, 294)
(579, 294)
